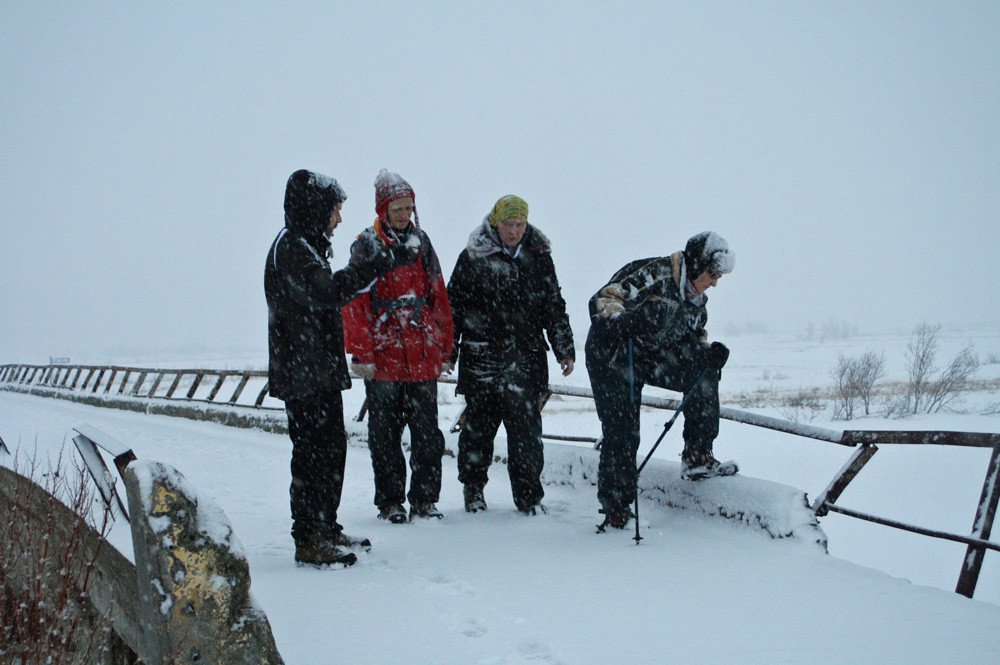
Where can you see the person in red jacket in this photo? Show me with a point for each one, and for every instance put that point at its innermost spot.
(398, 332)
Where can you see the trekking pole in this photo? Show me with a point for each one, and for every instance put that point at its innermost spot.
(666, 428)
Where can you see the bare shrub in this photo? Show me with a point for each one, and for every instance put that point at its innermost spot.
(946, 388)
(854, 382)
(844, 393)
(897, 406)
(46, 569)
(804, 403)
(869, 368)
(924, 392)
(921, 354)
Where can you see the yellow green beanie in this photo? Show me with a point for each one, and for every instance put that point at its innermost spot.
(507, 207)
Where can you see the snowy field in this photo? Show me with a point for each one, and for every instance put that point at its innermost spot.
(502, 588)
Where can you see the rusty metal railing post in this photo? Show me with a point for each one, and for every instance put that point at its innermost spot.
(840, 482)
(981, 527)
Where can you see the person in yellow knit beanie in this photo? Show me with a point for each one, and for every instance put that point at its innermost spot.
(505, 302)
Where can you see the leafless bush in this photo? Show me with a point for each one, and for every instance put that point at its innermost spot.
(921, 354)
(946, 388)
(46, 569)
(924, 392)
(804, 403)
(854, 382)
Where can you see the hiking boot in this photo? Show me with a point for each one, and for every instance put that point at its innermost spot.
(427, 510)
(535, 509)
(341, 539)
(474, 500)
(702, 464)
(617, 519)
(323, 553)
(394, 512)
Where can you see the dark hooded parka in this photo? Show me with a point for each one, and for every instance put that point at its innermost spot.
(505, 302)
(306, 367)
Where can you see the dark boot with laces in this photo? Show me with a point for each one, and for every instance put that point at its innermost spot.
(536, 509)
(394, 513)
(322, 553)
(474, 500)
(341, 539)
(426, 510)
(697, 465)
(617, 519)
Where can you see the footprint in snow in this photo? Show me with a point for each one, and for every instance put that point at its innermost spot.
(536, 651)
(446, 585)
(472, 628)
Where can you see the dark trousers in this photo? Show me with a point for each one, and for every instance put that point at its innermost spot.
(393, 405)
(617, 386)
(518, 411)
(319, 452)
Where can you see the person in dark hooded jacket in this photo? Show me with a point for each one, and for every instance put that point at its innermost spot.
(648, 327)
(505, 299)
(307, 368)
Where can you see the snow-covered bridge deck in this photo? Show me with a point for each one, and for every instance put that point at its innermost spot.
(502, 588)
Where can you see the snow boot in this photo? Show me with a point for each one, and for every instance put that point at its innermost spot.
(341, 539)
(394, 512)
(617, 519)
(474, 500)
(701, 465)
(323, 554)
(427, 510)
(536, 509)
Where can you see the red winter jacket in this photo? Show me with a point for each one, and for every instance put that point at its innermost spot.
(406, 332)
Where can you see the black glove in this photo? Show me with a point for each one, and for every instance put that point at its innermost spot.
(392, 257)
(716, 355)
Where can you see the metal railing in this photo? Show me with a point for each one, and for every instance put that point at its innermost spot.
(143, 382)
(190, 385)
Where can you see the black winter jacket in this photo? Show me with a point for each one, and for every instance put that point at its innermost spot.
(500, 305)
(642, 316)
(304, 294)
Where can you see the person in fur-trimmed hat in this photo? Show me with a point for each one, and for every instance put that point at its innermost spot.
(505, 299)
(398, 332)
(647, 326)
(306, 367)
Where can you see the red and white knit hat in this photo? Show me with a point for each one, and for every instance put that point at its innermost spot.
(388, 188)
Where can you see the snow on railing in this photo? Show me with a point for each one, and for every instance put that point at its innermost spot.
(111, 385)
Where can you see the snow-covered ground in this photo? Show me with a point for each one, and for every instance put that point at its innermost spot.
(502, 588)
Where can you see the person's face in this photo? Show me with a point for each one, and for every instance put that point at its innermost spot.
(705, 281)
(398, 212)
(335, 219)
(511, 230)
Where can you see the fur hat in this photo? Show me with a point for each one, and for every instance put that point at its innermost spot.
(707, 252)
(507, 207)
(388, 188)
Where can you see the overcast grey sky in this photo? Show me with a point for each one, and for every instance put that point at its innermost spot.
(849, 152)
